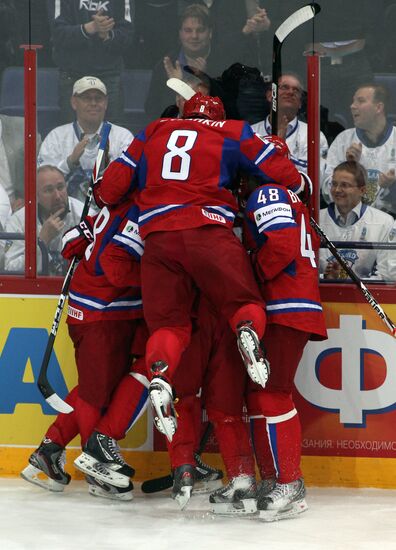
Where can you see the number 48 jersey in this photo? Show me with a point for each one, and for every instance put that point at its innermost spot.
(283, 245)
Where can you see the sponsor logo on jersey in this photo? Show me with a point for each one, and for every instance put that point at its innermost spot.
(212, 216)
(75, 313)
(131, 227)
(272, 211)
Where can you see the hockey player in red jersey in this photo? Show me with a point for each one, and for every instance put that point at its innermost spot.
(184, 169)
(104, 311)
(283, 254)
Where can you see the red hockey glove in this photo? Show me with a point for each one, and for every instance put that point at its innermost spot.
(76, 240)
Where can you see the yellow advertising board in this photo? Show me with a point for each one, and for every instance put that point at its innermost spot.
(346, 395)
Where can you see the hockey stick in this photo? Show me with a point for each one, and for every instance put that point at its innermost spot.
(364, 290)
(180, 88)
(165, 482)
(43, 384)
(296, 19)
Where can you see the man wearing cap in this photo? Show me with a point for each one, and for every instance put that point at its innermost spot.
(73, 147)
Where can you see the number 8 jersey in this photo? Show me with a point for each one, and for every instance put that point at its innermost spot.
(185, 170)
(283, 245)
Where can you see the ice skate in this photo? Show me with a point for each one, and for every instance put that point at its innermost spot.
(238, 497)
(48, 459)
(252, 354)
(207, 479)
(183, 483)
(162, 396)
(286, 500)
(265, 486)
(101, 459)
(101, 489)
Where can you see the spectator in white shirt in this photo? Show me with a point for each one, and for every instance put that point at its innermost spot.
(349, 219)
(372, 143)
(73, 147)
(290, 128)
(56, 213)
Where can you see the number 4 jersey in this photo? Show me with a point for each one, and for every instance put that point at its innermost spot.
(283, 248)
(186, 171)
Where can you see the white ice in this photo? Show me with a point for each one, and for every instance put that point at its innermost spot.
(338, 519)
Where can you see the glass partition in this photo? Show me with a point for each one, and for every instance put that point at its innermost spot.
(113, 65)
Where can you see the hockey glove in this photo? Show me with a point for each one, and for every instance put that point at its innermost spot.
(76, 240)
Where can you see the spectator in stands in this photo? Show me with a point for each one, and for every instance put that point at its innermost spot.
(56, 213)
(347, 218)
(195, 34)
(372, 142)
(91, 38)
(73, 147)
(12, 158)
(290, 128)
(239, 32)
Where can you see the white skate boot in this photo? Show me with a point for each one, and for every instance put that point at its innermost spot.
(253, 354)
(286, 500)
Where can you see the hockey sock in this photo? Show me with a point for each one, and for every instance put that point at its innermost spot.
(283, 431)
(250, 312)
(184, 443)
(233, 438)
(262, 449)
(65, 427)
(167, 344)
(87, 417)
(128, 403)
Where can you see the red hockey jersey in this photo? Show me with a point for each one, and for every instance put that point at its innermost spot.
(186, 169)
(283, 244)
(106, 283)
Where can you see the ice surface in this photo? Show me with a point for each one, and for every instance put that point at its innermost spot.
(338, 519)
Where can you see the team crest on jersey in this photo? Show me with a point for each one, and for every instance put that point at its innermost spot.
(392, 234)
(212, 216)
(75, 313)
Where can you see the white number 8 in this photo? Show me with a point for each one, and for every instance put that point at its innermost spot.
(182, 172)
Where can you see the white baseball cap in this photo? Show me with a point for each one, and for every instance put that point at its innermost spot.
(88, 83)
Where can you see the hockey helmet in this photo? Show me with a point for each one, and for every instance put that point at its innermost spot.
(204, 106)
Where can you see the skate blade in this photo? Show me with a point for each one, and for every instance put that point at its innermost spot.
(293, 510)
(165, 424)
(89, 465)
(31, 474)
(183, 497)
(202, 487)
(96, 491)
(247, 506)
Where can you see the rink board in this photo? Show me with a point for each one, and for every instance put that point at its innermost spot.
(346, 396)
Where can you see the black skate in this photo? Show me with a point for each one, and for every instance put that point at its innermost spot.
(162, 396)
(101, 489)
(207, 479)
(238, 497)
(183, 483)
(253, 354)
(286, 500)
(101, 459)
(48, 459)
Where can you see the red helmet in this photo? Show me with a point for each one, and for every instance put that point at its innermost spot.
(280, 144)
(204, 106)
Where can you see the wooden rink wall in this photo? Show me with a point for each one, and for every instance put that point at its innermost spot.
(348, 423)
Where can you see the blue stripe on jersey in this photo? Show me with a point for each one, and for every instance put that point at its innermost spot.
(105, 240)
(291, 305)
(247, 132)
(119, 304)
(147, 215)
(135, 248)
(228, 162)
